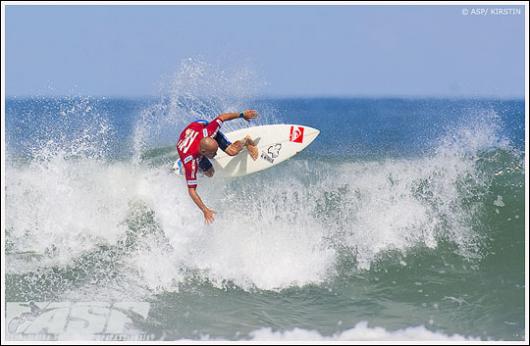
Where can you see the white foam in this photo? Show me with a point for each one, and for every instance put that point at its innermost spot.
(268, 255)
(275, 230)
(282, 235)
(64, 208)
(360, 332)
(499, 202)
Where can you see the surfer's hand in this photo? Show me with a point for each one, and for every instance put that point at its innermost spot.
(250, 114)
(248, 140)
(209, 173)
(208, 215)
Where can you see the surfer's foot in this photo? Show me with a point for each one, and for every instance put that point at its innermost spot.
(253, 151)
(252, 148)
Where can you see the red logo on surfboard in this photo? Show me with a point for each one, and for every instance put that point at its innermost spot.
(297, 134)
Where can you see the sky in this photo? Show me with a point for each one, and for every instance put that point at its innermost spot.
(439, 51)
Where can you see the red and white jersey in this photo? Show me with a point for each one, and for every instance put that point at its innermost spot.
(188, 146)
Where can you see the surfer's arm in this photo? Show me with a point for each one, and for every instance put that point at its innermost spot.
(208, 213)
(213, 126)
(192, 191)
(247, 115)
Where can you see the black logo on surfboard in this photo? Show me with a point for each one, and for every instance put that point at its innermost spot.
(272, 152)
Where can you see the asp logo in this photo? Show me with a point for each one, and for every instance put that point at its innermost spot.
(297, 134)
(85, 320)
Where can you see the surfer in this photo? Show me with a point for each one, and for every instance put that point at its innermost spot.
(199, 142)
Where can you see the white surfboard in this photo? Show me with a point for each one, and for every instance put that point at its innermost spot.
(276, 143)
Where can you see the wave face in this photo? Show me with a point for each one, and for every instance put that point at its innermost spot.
(402, 213)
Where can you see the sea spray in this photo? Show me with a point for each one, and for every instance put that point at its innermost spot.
(432, 236)
(198, 90)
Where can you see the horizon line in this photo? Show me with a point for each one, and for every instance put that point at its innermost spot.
(292, 96)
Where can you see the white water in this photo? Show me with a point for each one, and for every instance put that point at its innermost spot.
(277, 230)
(361, 332)
(274, 230)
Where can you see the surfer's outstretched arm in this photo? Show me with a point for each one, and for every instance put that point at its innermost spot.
(208, 213)
(248, 115)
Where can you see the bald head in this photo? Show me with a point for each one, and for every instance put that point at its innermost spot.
(208, 147)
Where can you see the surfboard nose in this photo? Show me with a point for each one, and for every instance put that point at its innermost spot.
(310, 134)
(316, 131)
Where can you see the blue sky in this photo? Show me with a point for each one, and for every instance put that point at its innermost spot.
(296, 50)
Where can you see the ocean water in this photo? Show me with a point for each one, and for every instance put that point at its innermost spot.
(403, 220)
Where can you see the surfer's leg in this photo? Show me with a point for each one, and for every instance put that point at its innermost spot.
(251, 147)
(223, 142)
(228, 147)
(235, 148)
